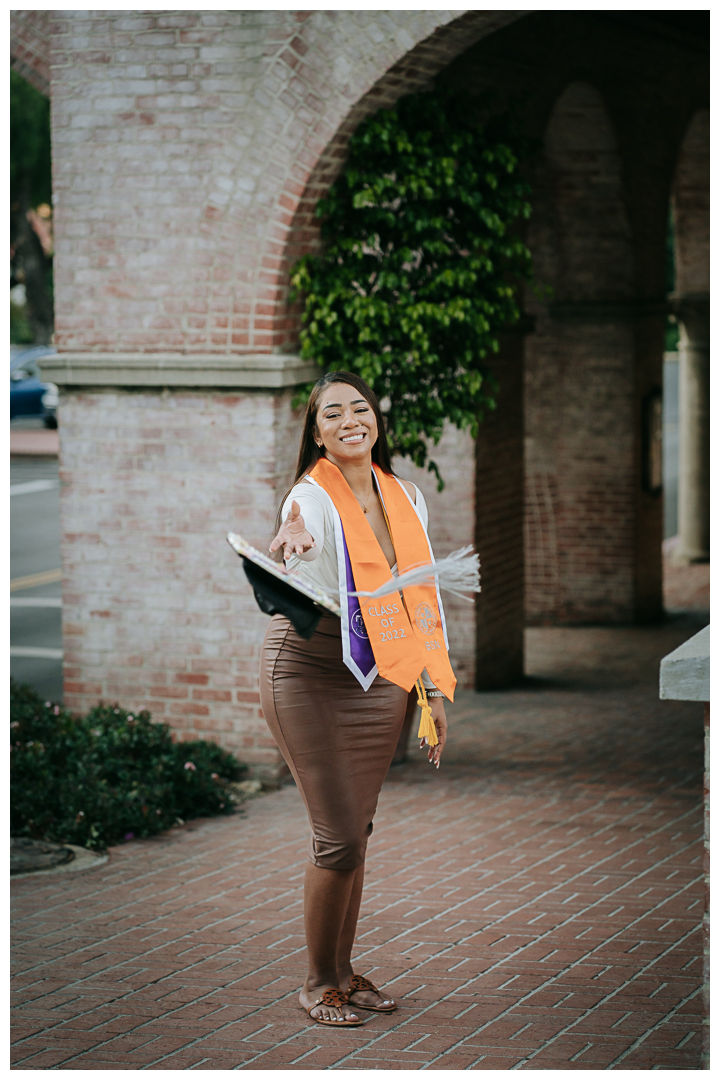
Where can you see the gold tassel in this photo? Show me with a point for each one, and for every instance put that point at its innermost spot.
(427, 725)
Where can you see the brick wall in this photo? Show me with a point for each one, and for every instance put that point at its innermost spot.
(183, 143)
(691, 208)
(30, 33)
(157, 613)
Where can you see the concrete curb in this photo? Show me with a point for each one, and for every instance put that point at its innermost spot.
(84, 860)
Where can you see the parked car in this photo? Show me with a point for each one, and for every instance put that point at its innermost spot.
(29, 395)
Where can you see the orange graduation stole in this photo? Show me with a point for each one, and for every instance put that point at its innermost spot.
(406, 633)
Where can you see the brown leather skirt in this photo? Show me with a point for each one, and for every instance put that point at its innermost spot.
(337, 738)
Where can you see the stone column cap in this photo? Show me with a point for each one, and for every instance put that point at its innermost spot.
(254, 371)
(685, 673)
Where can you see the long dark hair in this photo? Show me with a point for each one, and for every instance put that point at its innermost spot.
(310, 453)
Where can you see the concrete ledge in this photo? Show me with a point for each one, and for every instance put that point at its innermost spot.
(260, 371)
(685, 673)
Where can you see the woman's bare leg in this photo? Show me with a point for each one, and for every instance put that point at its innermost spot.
(345, 947)
(327, 897)
(349, 928)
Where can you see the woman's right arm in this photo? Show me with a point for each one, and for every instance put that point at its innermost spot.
(301, 533)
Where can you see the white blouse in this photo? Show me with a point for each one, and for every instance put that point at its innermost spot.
(319, 564)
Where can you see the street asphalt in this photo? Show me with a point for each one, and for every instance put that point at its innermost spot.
(35, 548)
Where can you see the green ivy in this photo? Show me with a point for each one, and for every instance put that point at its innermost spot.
(421, 267)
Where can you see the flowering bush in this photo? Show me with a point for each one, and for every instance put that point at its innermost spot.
(108, 776)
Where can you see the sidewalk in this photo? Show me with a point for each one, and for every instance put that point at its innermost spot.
(535, 904)
(34, 443)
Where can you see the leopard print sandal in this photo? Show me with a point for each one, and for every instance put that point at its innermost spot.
(335, 999)
(359, 982)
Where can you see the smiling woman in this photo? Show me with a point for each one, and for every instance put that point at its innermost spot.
(335, 704)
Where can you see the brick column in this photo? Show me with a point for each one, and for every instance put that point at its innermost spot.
(648, 334)
(159, 460)
(691, 209)
(499, 496)
(451, 515)
(694, 431)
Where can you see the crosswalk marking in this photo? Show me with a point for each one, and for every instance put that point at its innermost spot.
(31, 651)
(45, 577)
(31, 486)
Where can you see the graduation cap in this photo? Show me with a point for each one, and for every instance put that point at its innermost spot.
(279, 593)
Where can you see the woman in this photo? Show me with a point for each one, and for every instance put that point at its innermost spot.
(335, 704)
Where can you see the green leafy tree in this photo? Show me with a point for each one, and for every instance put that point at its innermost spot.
(421, 265)
(30, 187)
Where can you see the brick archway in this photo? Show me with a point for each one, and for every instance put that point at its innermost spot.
(30, 33)
(189, 147)
(294, 230)
(206, 167)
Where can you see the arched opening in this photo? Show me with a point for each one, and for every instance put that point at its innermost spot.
(296, 230)
(690, 207)
(580, 427)
(452, 512)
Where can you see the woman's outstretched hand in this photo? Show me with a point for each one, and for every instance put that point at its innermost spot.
(441, 730)
(293, 537)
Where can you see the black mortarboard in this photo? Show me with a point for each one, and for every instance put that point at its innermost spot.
(280, 593)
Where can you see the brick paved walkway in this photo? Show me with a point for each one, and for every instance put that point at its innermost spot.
(535, 904)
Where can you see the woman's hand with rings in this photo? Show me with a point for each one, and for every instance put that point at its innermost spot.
(293, 537)
(441, 730)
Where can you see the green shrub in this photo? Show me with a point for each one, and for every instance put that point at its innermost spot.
(108, 776)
